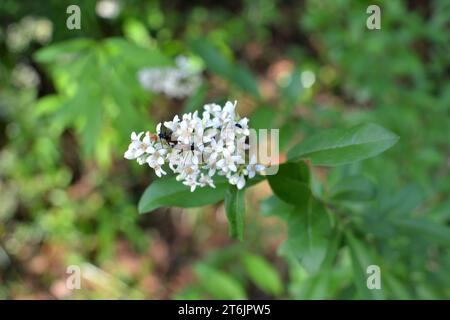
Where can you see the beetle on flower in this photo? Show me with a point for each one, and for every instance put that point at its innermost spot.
(214, 143)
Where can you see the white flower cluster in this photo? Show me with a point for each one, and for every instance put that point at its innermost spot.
(20, 35)
(196, 148)
(177, 82)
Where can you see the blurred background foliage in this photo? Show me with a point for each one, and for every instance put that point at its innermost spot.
(70, 98)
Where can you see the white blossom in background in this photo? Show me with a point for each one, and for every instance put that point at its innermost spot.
(197, 148)
(19, 35)
(24, 76)
(175, 82)
(107, 9)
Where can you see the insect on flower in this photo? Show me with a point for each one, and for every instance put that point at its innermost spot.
(165, 134)
(196, 148)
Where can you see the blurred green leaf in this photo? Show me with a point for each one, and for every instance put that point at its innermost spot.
(245, 80)
(294, 90)
(219, 284)
(263, 274)
(361, 259)
(50, 54)
(235, 210)
(197, 100)
(262, 118)
(354, 188)
(213, 58)
(309, 230)
(274, 206)
(430, 230)
(340, 146)
(236, 74)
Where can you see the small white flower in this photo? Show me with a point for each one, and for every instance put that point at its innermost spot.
(242, 127)
(238, 180)
(253, 167)
(159, 171)
(137, 147)
(156, 158)
(206, 180)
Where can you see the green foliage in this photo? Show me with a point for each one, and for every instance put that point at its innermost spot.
(336, 146)
(291, 183)
(168, 191)
(235, 209)
(361, 259)
(219, 284)
(354, 188)
(93, 107)
(68, 197)
(309, 232)
(238, 75)
(263, 274)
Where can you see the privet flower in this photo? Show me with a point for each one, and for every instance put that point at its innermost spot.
(197, 148)
(176, 82)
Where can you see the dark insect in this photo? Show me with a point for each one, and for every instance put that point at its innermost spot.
(166, 135)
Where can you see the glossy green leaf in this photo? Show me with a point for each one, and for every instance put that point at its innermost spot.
(291, 183)
(167, 191)
(340, 146)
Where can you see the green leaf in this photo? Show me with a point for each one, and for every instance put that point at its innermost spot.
(361, 259)
(430, 230)
(235, 209)
(134, 55)
(62, 49)
(262, 118)
(291, 183)
(92, 128)
(263, 274)
(215, 62)
(354, 188)
(167, 191)
(196, 101)
(274, 206)
(219, 284)
(212, 57)
(340, 146)
(294, 90)
(242, 77)
(309, 230)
